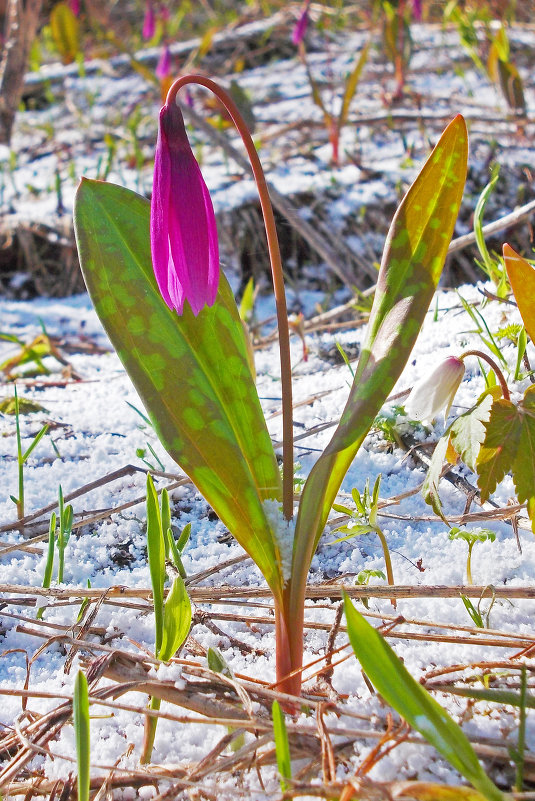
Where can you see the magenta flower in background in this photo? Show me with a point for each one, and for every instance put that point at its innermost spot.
(435, 392)
(75, 7)
(183, 231)
(163, 67)
(149, 21)
(417, 10)
(301, 25)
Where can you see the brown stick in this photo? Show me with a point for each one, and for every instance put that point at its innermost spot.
(22, 17)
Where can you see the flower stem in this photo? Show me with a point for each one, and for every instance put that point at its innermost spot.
(276, 270)
(499, 375)
(388, 561)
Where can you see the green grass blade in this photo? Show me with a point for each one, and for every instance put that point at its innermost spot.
(156, 556)
(47, 576)
(282, 747)
(412, 701)
(192, 373)
(37, 439)
(166, 520)
(80, 710)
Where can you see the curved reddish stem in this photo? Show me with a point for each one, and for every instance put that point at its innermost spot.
(492, 363)
(276, 270)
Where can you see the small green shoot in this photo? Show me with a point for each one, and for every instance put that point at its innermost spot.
(344, 356)
(282, 747)
(471, 538)
(80, 713)
(47, 578)
(518, 754)
(176, 549)
(363, 579)
(482, 326)
(172, 619)
(83, 606)
(363, 520)
(217, 663)
(22, 457)
(494, 268)
(65, 519)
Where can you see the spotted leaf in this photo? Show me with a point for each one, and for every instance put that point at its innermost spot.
(191, 373)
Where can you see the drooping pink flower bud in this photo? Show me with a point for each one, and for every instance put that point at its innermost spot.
(436, 391)
(163, 68)
(183, 231)
(301, 25)
(75, 7)
(149, 21)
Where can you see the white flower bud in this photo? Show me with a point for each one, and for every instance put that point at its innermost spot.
(436, 392)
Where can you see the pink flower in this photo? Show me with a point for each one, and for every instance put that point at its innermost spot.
(183, 231)
(436, 391)
(75, 7)
(149, 22)
(163, 68)
(417, 10)
(301, 25)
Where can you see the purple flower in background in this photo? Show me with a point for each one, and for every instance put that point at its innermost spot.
(75, 7)
(417, 10)
(183, 231)
(163, 68)
(149, 21)
(301, 25)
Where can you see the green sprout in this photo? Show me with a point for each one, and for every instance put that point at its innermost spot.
(80, 715)
(282, 747)
(471, 537)
(363, 520)
(22, 457)
(172, 616)
(363, 579)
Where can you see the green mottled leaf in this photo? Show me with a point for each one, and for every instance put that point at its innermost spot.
(524, 463)
(191, 373)
(521, 276)
(26, 406)
(176, 619)
(434, 472)
(468, 431)
(429, 791)
(412, 701)
(414, 255)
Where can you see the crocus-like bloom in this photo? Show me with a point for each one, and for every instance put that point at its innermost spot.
(417, 10)
(75, 7)
(183, 231)
(436, 392)
(301, 25)
(149, 22)
(163, 68)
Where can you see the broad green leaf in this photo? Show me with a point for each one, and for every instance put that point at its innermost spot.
(414, 255)
(521, 276)
(64, 27)
(468, 431)
(498, 449)
(216, 662)
(412, 701)
(176, 619)
(509, 445)
(191, 372)
(282, 747)
(80, 713)
(434, 472)
(156, 558)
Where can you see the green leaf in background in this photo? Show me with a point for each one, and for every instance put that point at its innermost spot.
(429, 791)
(64, 27)
(521, 276)
(412, 701)
(510, 445)
(414, 255)
(176, 619)
(282, 746)
(191, 373)
(80, 713)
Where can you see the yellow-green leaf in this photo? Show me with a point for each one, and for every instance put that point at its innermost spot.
(64, 27)
(521, 276)
(176, 619)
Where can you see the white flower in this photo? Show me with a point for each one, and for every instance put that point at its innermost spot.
(436, 392)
